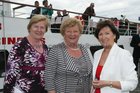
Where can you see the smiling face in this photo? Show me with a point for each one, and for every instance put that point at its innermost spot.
(37, 30)
(106, 37)
(71, 35)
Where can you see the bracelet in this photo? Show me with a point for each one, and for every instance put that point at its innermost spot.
(111, 84)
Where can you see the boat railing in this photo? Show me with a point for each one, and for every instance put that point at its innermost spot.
(124, 27)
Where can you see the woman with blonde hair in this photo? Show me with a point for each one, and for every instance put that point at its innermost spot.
(25, 66)
(69, 68)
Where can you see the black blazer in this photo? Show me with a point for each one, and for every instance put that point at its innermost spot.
(134, 43)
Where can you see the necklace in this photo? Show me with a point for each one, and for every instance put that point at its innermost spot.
(74, 48)
(71, 47)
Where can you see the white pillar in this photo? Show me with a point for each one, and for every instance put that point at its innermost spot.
(5, 9)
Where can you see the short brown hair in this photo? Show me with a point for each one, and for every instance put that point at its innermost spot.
(70, 22)
(36, 19)
(107, 23)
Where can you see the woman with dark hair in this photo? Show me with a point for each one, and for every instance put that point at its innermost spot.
(113, 67)
(47, 10)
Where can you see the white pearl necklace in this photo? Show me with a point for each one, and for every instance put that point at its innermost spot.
(74, 48)
(71, 47)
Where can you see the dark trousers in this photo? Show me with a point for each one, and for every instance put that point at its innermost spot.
(136, 60)
(85, 27)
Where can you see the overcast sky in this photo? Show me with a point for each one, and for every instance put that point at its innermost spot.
(105, 8)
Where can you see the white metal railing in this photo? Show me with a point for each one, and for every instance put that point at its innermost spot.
(129, 29)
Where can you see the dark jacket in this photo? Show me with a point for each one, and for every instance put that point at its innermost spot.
(134, 43)
(35, 11)
(88, 12)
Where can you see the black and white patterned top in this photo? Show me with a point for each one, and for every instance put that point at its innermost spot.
(64, 74)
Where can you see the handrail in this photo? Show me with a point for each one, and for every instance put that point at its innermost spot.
(52, 9)
(125, 31)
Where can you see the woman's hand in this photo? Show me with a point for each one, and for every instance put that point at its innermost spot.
(104, 83)
(100, 83)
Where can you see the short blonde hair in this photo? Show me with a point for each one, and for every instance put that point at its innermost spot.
(70, 22)
(36, 19)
